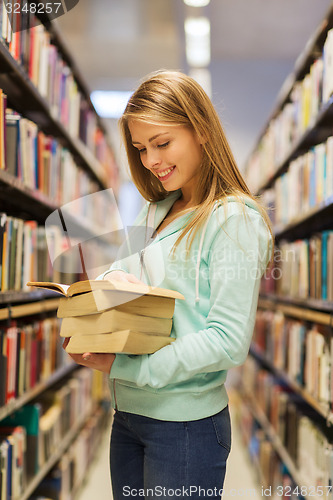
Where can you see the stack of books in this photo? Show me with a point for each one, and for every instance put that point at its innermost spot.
(114, 316)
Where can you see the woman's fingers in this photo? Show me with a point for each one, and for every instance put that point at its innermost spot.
(133, 279)
(122, 276)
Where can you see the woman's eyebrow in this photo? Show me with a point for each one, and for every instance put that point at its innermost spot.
(152, 138)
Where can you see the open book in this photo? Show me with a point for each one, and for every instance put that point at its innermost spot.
(92, 285)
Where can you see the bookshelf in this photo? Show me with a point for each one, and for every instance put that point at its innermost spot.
(66, 120)
(290, 168)
(260, 417)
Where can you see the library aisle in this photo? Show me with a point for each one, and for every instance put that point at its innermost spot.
(239, 483)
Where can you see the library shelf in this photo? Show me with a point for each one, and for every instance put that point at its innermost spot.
(318, 131)
(13, 297)
(308, 222)
(261, 418)
(16, 404)
(31, 104)
(80, 485)
(23, 201)
(322, 409)
(307, 309)
(58, 40)
(62, 447)
(317, 218)
(27, 203)
(22, 310)
(312, 49)
(17, 200)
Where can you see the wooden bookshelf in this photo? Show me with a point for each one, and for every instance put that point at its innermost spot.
(17, 200)
(261, 418)
(302, 65)
(309, 133)
(13, 297)
(306, 309)
(27, 100)
(320, 408)
(318, 218)
(16, 404)
(59, 41)
(30, 309)
(63, 446)
(316, 133)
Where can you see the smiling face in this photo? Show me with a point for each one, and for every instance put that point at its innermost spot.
(171, 152)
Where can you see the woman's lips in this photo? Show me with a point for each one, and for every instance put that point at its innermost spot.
(167, 173)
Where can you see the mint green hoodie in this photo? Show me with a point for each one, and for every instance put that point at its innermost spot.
(213, 326)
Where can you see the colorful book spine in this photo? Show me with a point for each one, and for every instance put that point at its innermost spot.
(302, 269)
(301, 350)
(33, 49)
(299, 433)
(30, 353)
(30, 436)
(307, 98)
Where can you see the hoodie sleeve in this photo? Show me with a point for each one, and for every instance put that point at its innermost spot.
(238, 256)
(120, 264)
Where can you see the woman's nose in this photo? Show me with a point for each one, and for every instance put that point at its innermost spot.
(153, 159)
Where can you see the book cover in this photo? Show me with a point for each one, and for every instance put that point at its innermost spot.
(102, 300)
(114, 320)
(126, 341)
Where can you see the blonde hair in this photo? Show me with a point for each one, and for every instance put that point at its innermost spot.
(175, 98)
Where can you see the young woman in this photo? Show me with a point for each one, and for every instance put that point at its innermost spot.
(209, 239)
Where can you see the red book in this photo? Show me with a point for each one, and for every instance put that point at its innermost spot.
(11, 363)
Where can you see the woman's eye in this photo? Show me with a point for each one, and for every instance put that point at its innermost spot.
(164, 145)
(141, 150)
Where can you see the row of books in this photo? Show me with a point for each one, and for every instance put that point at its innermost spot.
(29, 252)
(23, 253)
(30, 353)
(304, 438)
(302, 269)
(301, 350)
(41, 162)
(31, 436)
(272, 474)
(65, 479)
(306, 185)
(33, 49)
(299, 113)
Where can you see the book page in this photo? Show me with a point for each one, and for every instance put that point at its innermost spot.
(56, 287)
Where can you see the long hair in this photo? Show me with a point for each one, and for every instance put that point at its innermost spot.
(172, 97)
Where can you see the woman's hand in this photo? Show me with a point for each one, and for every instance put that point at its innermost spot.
(102, 361)
(122, 276)
(97, 361)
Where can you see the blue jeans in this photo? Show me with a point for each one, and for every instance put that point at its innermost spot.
(162, 459)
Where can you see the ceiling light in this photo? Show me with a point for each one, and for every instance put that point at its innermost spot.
(197, 36)
(196, 3)
(110, 103)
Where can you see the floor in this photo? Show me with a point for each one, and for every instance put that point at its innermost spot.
(239, 483)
